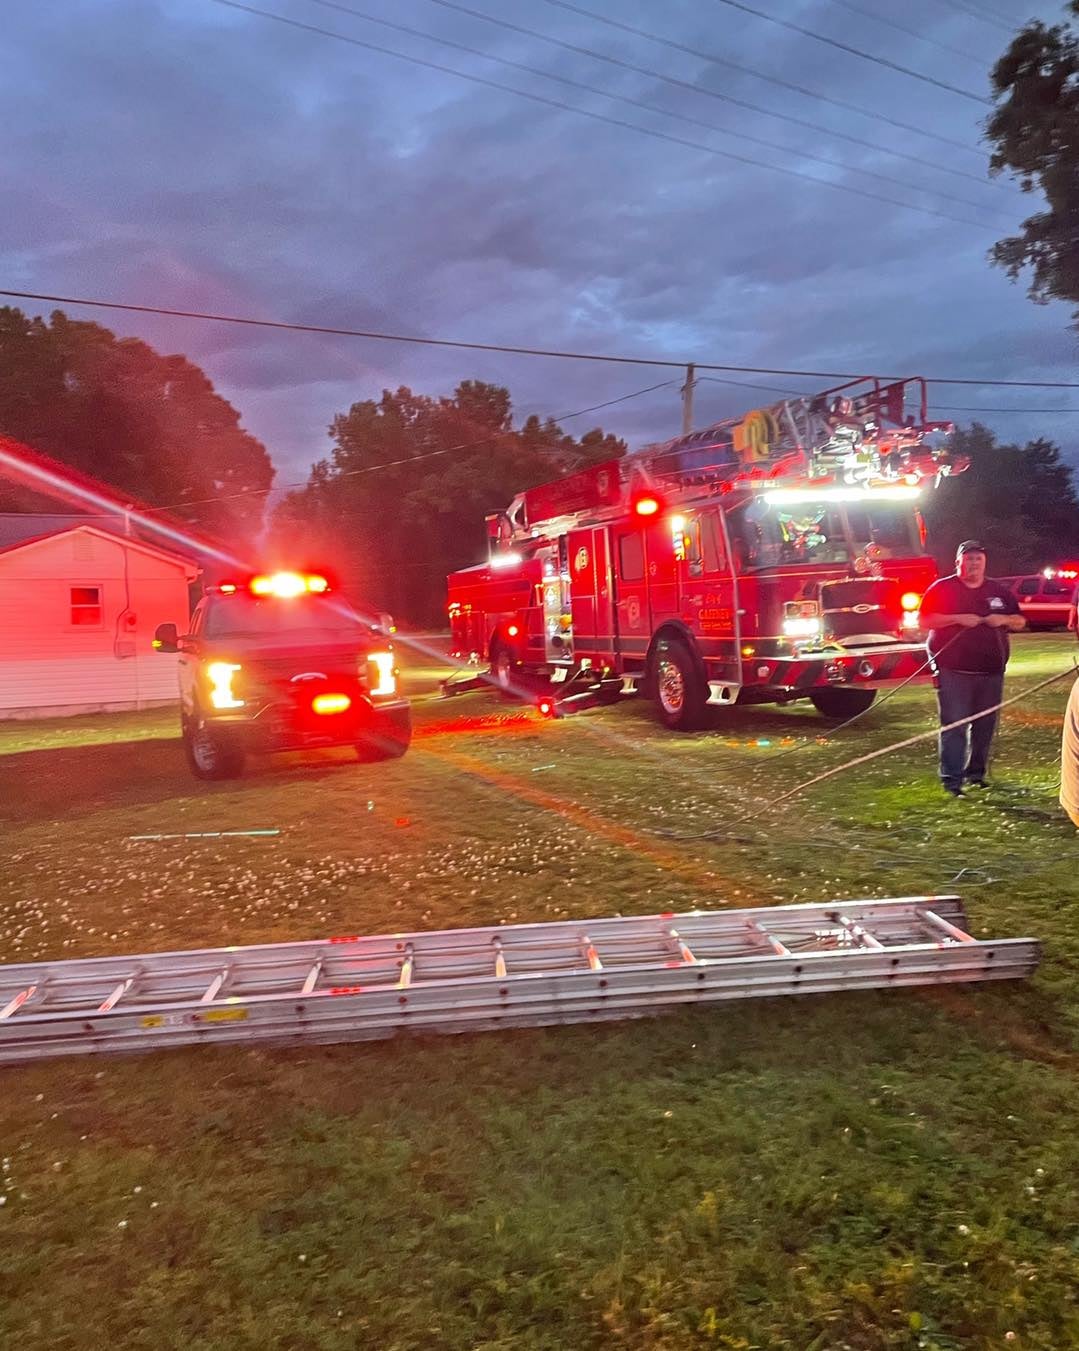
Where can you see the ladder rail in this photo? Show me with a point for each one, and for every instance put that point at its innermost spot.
(860, 908)
(895, 954)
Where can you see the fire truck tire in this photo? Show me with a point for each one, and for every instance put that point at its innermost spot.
(209, 754)
(678, 686)
(504, 669)
(842, 704)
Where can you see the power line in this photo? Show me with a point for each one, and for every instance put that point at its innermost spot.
(678, 84)
(632, 102)
(948, 408)
(980, 383)
(773, 79)
(856, 51)
(910, 32)
(745, 384)
(599, 117)
(987, 16)
(397, 337)
(415, 459)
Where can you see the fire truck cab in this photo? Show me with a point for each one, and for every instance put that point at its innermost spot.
(775, 557)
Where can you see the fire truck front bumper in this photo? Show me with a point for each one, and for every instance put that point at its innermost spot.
(877, 668)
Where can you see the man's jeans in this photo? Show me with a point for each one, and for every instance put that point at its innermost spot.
(964, 751)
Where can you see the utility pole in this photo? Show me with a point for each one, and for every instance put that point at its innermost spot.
(687, 399)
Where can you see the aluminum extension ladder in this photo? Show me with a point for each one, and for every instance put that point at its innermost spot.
(355, 987)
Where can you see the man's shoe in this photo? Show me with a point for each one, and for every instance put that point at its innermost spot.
(954, 790)
(976, 783)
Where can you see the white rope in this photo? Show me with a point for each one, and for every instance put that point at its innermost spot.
(923, 736)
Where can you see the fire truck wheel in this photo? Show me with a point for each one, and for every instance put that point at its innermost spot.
(842, 704)
(209, 754)
(504, 669)
(679, 689)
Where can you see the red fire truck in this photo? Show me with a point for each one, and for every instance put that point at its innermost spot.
(774, 557)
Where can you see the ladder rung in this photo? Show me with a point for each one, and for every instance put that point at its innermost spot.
(15, 1004)
(118, 993)
(214, 987)
(591, 956)
(942, 924)
(859, 934)
(684, 950)
(773, 942)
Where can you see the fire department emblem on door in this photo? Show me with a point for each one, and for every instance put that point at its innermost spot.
(580, 561)
(633, 612)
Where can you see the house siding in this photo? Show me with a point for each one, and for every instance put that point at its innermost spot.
(49, 665)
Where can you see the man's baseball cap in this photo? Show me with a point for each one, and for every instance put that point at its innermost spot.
(970, 546)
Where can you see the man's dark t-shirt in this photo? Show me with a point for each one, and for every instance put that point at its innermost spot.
(982, 650)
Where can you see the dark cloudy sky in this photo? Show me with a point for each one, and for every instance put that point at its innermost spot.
(184, 154)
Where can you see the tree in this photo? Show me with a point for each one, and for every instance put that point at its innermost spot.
(1035, 132)
(1020, 501)
(402, 499)
(149, 426)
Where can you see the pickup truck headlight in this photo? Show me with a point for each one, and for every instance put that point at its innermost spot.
(381, 674)
(220, 675)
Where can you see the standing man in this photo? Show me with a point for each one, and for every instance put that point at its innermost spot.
(968, 617)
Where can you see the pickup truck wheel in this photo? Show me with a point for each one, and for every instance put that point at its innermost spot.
(209, 754)
(387, 738)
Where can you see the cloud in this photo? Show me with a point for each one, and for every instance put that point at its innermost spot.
(202, 158)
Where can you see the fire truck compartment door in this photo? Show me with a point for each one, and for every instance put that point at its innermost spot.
(629, 564)
(590, 592)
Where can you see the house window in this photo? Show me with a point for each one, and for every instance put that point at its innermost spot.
(86, 607)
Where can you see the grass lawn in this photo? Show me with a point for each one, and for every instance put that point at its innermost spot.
(855, 1171)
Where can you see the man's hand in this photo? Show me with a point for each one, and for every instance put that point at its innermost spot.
(998, 621)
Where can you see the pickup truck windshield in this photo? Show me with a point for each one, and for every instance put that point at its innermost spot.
(249, 616)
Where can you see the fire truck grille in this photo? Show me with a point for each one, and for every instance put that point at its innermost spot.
(861, 610)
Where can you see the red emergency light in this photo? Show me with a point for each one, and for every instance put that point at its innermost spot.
(289, 585)
(647, 504)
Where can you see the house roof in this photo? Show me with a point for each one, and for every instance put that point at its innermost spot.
(17, 527)
(20, 529)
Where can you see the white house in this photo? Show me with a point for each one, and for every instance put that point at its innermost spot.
(79, 603)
